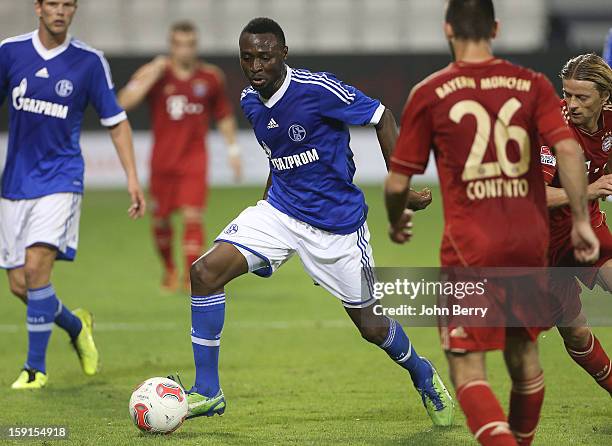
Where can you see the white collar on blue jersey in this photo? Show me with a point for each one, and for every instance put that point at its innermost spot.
(49, 54)
(280, 92)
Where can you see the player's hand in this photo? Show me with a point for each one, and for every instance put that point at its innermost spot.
(139, 204)
(401, 232)
(586, 243)
(600, 188)
(419, 200)
(235, 162)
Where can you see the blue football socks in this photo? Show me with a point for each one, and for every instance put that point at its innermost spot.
(400, 349)
(42, 305)
(65, 319)
(207, 318)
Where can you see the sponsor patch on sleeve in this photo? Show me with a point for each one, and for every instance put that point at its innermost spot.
(546, 157)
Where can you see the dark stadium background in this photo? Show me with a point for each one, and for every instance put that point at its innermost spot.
(387, 77)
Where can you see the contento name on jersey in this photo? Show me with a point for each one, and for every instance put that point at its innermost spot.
(23, 103)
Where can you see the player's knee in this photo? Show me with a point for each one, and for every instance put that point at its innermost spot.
(32, 273)
(522, 359)
(375, 335)
(19, 290)
(204, 278)
(576, 338)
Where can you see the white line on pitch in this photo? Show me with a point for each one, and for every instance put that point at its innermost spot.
(169, 326)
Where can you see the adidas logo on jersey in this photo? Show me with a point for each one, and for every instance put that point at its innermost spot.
(43, 73)
(272, 124)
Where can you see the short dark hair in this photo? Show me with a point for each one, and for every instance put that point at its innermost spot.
(264, 25)
(471, 19)
(184, 26)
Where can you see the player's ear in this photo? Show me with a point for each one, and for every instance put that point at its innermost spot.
(495, 30)
(448, 31)
(285, 52)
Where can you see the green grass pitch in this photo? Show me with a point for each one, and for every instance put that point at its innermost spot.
(293, 369)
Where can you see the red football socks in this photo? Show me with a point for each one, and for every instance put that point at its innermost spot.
(595, 361)
(526, 400)
(485, 417)
(193, 240)
(163, 243)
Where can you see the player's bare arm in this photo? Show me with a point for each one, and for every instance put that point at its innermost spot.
(140, 84)
(397, 189)
(121, 134)
(387, 133)
(573, 179)
(227, 127)
(267, 188)
(601, 188)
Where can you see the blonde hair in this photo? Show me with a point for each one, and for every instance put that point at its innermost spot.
(590, 67)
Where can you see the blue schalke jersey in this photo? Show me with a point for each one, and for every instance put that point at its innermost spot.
(47, 92)
(607, 54)
(303, 128)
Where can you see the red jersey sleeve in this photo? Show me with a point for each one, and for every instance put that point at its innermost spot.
(221, 106)
(549, 119)
(412, 148)
(549, 164)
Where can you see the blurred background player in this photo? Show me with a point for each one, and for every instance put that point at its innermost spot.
(183, 95)
(51, 78)
(472, 123)
(587, 91)
(311, 208)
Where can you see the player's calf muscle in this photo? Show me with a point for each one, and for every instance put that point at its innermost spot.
(372, 328)
(17, 283)
(466, 367)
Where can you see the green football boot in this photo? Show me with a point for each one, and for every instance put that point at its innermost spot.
(437, 399)
(204, 406)
(84, 343)
(30, 379)
(200, 405)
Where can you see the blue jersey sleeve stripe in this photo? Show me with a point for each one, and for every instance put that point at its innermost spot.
(20, 38)
(343, 99)
(100, 54)
(335, 83)
(246, 91)
(332, 84)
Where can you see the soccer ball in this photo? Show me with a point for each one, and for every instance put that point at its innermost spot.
(158, 405)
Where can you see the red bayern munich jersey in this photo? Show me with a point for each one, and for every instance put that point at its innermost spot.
(596, 147)
(484, 122)
(180, 113)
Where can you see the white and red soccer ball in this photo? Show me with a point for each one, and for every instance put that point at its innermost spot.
(158, 405)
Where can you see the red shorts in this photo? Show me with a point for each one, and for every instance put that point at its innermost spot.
(172, 192)
(515, 305)
(562, 254)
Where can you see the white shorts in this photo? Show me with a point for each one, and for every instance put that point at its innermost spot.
(268, 238)
(51, 220)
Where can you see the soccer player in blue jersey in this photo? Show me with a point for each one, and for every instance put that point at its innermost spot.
(49, 79)
(311, 208)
